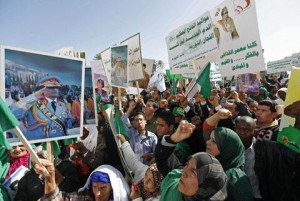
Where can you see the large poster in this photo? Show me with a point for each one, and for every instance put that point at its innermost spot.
(119, 69)
(134, 57)
(101, 84)
(89, 114)
(106, 60)
(44, 92)
(190, 41)
(236, 30)
(289, 130)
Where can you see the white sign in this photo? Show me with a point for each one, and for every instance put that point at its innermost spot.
(190, 41)
(134, 63)
(236, 30)
(284, 64)
(106, 59)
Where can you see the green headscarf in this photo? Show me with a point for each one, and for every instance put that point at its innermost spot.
(231, 148)
(266, 92)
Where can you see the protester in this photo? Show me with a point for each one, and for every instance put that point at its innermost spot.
(147, 178)
(226, 146)
(202, 178)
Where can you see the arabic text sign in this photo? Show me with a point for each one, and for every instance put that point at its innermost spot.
(236, 30)
(189, 42)
(134, 64)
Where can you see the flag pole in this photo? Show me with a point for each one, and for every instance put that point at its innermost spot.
(119, 98)
(137, 88)
(32, 153)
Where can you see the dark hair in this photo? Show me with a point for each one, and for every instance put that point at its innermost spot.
(242, 109)
(101, 81)
(167, 116)
(270, 103)
(155, 104)
(139, 113)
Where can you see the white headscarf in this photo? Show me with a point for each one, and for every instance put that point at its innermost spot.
(121, 190)
(90, 142)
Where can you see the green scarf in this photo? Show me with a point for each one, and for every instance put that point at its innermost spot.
(169, 186)
(231, 148)
(4, 166)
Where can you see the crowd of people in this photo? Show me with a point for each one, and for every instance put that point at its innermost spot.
(208, 149)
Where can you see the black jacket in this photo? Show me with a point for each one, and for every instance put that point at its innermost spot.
(278, 171)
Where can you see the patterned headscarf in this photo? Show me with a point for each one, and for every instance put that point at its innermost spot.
(231, 148)
(157, 178)
(212, 180)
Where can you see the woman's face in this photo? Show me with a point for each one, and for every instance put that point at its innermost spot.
(149, 185)
(211, 145)
(99, 85)
(188, 183)
(101, 191)
(18, 151)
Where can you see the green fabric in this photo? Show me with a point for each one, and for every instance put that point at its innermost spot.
(169, 186)
(172, 76)
(67, 142)
(238, 186)
(204, 81)
(7, 122)
(232, 159)
(266, 92)
(98, 100)
(231, 148)
(119, 125)
(174, 86)
(182, 151)
(56, 148)
(290, 137)
(4, 166)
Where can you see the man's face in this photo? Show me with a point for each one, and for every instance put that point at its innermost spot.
(139, 122)
(253, 105)
(264, 114)
(178, 118)
(188, 183)
(155, 95)
(162, 128)
(232, 108)
(149, 109)
(196, 120)
(101, 191)
(245, 130)
(51, 92)
(163, 104)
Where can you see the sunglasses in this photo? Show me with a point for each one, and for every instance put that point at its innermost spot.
(224, 13)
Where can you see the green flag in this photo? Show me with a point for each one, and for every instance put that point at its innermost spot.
(56, 148)
(204, 81)
(7, 122)
(119, 125)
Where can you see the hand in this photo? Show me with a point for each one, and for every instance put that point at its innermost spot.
(223, 113)
(213, 100)
(183, 101)
(131, 107)
(50, 183)
(147, 156)
(141, 101)
(184, 131)
(134, 192)
(235, 95)
(121, 138)
(199, 98)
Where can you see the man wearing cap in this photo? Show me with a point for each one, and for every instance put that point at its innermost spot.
(178, 112)
(48, 117)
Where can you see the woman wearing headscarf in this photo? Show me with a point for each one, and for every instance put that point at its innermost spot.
(201, 179)
(107, 184)
(147, 178)
(227, 147)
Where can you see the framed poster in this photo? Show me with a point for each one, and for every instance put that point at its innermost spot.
(44, 92)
